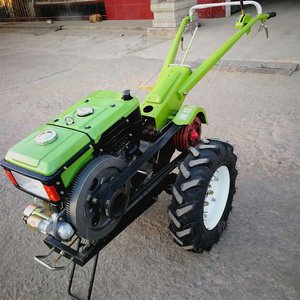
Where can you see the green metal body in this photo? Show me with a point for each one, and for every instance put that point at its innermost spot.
(47, 159)
(163, 103)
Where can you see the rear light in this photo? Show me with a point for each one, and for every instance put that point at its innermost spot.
(52, 193)
(11, 178)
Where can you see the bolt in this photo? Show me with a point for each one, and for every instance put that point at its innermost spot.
(57, 183)
(206, 203)
(213, 199)
(127, 120)
(204, 215)
(61, 192)
(210, 192)
(87, 127)
(94, 200)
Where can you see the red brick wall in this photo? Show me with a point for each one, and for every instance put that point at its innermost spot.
(128, 9)
(212, 12)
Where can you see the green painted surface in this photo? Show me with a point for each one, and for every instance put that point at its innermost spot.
(109, 107)
(68, 175)
(170, 59)
(163, 98)
(187, 114)
(47, 159)
(162, 104)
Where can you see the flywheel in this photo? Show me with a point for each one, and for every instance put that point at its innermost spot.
(86, 204)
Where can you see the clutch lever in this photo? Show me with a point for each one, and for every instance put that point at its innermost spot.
(264, 26)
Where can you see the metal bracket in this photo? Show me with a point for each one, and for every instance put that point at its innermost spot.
(264, 26)
(40, 258)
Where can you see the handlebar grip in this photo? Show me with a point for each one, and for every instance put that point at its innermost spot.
(271, 14)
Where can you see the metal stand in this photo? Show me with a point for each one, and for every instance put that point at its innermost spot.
(91, 251)
(91, 283)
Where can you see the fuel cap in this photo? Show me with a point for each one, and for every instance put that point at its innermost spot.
(46, 137)
(84, 111)
(126, 95)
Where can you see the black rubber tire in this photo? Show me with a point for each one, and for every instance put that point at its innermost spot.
(189, 192)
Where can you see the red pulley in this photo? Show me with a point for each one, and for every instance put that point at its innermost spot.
(188, 135)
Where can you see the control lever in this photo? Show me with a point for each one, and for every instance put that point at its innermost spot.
(266, 29)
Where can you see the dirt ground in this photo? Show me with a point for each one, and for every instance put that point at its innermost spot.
(44, 72)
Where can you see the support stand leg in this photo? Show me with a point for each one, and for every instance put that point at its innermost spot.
(91, 280)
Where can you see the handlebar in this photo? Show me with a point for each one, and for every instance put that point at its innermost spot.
(202, 70)
(200, 6)
(271, 14)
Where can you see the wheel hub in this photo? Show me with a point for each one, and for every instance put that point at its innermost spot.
(216, 197)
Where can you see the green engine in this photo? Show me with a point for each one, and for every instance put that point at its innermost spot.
(45, 163)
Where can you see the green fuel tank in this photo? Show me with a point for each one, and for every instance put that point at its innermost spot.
(50, 147)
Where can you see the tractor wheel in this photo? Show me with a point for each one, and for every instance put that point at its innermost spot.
(202, 195)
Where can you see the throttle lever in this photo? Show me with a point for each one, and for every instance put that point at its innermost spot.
(266, 29)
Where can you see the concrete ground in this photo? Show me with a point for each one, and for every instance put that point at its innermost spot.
(43, 72)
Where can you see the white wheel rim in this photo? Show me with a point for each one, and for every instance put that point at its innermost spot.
(216, 197)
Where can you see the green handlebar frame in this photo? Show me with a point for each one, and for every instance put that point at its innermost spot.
(175, 81)
(202, 70)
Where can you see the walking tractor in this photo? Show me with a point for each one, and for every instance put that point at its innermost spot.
(100, 164)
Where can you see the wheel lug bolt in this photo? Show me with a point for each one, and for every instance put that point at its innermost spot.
(206, 203)
(213, 199)
(210, 192)
(94, 200)
(205, 215)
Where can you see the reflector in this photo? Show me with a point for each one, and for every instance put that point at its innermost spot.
(52, 193)
(11, 178)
